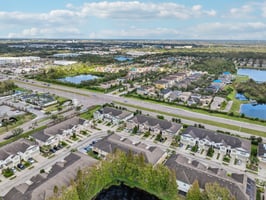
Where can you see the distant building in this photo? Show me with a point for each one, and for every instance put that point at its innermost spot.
(161, 84)
(18, 60)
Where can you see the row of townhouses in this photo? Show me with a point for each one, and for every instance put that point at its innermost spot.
(186, 170)
(224, 143)
(23, 149)
(192, 136)
(13, 153)
(143, 122)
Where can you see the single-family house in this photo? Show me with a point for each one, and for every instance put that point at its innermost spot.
(206, 100)
(174, 95)
(184, 96)
(165, 93)
(161, 84)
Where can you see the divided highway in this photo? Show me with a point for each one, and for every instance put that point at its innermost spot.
(88, 98)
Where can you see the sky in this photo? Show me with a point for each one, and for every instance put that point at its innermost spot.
(126, 19)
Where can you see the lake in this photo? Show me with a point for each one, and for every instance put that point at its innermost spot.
(123, 58)
(256, 75)
(123, 192)
(255, 111)
(78, 79)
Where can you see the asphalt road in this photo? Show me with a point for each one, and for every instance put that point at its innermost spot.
(88, 98)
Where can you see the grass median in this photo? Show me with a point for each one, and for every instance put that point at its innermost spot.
(198, 120)
(205, 112)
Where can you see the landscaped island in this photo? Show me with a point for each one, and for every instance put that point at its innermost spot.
(132, 171)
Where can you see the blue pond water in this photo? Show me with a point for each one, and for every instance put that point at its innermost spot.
(255, 111)
(123, 192)
(256, 75)
(78, 79)
(241, 97)
(123, 58)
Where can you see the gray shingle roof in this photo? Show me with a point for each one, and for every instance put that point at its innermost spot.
(262, 149)
(188, 173)
(13, 148)
(112, 142)
(163, 125)
(120, 114)
(60, 175)
(40, 135)
(57, 129)
(227, 140)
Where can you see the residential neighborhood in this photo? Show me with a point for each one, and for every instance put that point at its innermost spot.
(173, 113)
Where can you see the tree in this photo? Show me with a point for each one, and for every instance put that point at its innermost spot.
(74, 136)
(135, 129)
(214, 191)
(194, 192)
(54, 117)
(55, 189)
(17, 131)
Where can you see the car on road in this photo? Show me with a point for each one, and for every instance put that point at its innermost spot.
(21, 166)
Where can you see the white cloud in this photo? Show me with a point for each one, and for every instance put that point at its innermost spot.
(240, 30)
(138, 10)
(263, 8)
(137, 33)
(45, 33)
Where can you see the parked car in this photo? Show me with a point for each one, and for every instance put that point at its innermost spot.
(20, 166)
(52, 150)
(31, 160)
(13, 169)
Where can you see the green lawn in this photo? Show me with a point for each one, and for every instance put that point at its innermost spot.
(201, 120)
(240, 78)
(23, 135)
(236, 103)
(89, 114)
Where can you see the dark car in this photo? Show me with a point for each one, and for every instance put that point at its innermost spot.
(52, 150)
(20, 166)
